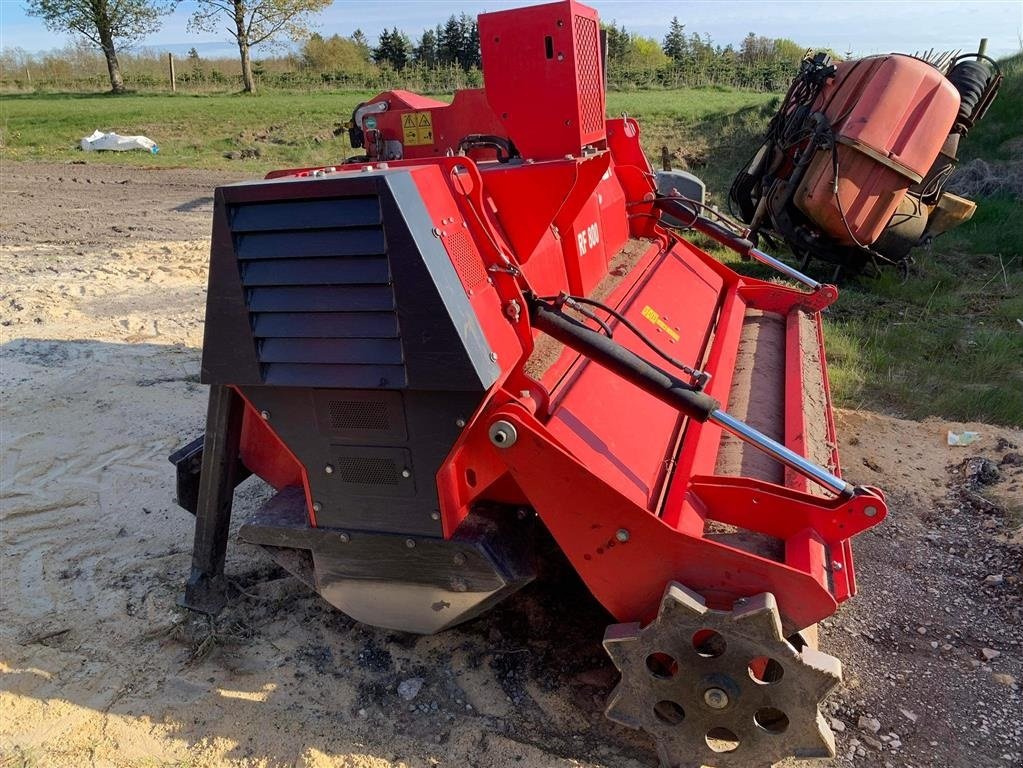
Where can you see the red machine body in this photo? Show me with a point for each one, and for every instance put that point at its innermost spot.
(596, 456)
(488, 323)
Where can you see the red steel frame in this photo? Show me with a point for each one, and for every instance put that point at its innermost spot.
(623, 482)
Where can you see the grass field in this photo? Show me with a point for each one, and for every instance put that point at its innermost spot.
(947, 341)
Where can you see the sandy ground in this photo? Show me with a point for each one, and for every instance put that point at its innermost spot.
(101, 300)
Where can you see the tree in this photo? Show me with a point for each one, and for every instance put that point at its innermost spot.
(756, 49)
(617, 43)
(107, 24)
(359, 38)
(675, 47)
(333, 54)
(788, 51)
(425, 53)
(392, 49)
(644, 53)
(471, 56)
(449, 42)
(253, 22)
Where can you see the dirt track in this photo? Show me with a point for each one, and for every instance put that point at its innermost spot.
(101, 302)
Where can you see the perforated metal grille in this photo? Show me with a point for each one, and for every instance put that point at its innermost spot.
(354, 414)
(467, 261)
(368, 470)
(587, 66)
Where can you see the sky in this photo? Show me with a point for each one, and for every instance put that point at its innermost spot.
(863, 26)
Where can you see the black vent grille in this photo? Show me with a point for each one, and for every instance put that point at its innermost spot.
(363, 470)
(318, 289)
(355, 414)
(368, 470)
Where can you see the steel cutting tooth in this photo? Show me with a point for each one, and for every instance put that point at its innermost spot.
(828, 670)
(619, 640)
(624, 708)
(760, 615)
(679, 599)
(720, 688)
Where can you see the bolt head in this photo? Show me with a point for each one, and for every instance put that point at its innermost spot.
(503, 434)
(264, 415)
(317, 506)
(715, 698)
(459, 423)
(435, 515)
(622, 535)
(493, 357)
(344, 538)
(329, 469)
(870, 511)
(406, 473)
(410, 543)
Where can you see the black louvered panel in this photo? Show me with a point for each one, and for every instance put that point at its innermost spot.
(340, 271)
(318, 287)
(310, 243)
(306, 214)
(321, 298)
(339, 376)
(343, 351)
(372, 325)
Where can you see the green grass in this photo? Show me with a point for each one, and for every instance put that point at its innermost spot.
(943, 342)
(708, 131)
(191, 130)
(289, 129)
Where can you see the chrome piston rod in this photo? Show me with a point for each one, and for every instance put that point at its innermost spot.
(681, 207)
(665, 387)
(780, 453)
(785, 269)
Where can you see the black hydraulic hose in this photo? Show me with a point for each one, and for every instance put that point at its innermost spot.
(680, 208)
(616, 358)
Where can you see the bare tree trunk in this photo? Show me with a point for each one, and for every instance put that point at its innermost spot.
(249, 83)
(116, 81)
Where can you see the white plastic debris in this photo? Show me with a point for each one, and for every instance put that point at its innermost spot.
(117, 143)
(962, 438)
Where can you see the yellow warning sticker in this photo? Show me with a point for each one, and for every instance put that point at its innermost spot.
(651, 314)
(417, 128)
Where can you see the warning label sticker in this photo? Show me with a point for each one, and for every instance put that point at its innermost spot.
(417, 128)
(651, 314)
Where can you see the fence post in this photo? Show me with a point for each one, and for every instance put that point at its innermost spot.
(173, 79)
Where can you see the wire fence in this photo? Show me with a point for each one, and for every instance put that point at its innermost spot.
(151, 74)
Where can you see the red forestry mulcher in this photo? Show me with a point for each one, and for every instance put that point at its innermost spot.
(487, 319)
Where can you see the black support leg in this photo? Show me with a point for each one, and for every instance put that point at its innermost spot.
(206, 590)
